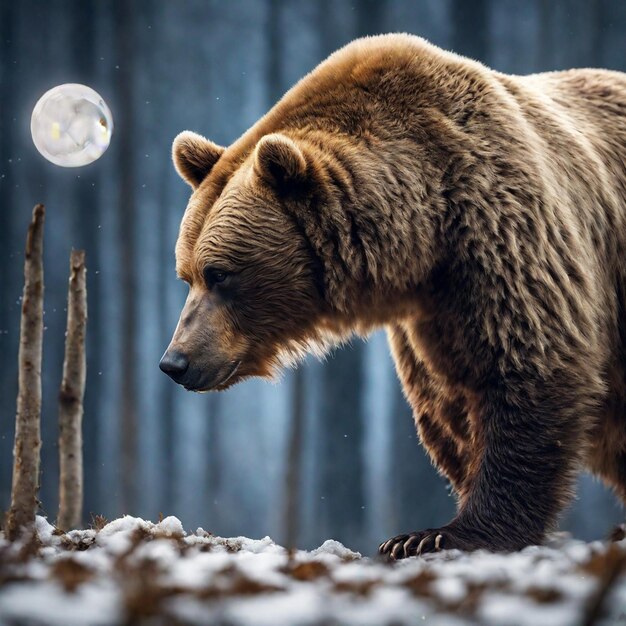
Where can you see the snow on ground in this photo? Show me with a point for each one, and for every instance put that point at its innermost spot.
(135, 572)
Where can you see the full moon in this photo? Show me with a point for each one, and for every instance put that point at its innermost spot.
(71, 125)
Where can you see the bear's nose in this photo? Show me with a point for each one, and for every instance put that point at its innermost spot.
(174, 364)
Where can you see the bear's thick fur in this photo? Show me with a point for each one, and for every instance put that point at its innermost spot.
(480, 217)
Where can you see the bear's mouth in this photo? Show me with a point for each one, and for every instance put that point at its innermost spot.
(233, 370)
(219, 383)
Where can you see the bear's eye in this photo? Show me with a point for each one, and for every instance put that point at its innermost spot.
(214, 276)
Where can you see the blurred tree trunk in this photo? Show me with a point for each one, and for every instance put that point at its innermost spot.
(166, 455)
(166, 390)
(341, 501)
(8, 291)
(275, 79)
(546, 34)
(419, 495)
(295, 427)
(599, 29)
(86, 214)
(371, 17)
(342, 491)
(124, 14)
(405, 469)
(470, 28)
(214, 464)
(25, 487)
(295, 451)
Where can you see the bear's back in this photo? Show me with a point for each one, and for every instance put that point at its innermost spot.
(595, 102)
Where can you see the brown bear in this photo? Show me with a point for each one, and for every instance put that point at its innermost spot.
(479, 217)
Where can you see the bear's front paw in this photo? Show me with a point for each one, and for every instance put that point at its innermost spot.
(430, 540)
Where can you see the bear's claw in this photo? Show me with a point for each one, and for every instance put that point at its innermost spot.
(425, 541)
(414, 544)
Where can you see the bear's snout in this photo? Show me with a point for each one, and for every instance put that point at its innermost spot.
(175, 364)
(197, 374)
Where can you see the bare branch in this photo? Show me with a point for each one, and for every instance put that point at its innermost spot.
(26, 452)
(71, 398)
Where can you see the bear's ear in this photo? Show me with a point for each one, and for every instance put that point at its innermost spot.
(194, 156)
(279, 161)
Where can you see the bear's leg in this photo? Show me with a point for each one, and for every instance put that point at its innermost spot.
(523, 477)
(447, 456)
(441, 422)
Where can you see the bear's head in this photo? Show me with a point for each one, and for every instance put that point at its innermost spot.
(255, 296)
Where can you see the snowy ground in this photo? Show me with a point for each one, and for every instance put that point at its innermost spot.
(136, 572)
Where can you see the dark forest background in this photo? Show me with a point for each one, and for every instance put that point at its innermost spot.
(328, 451)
